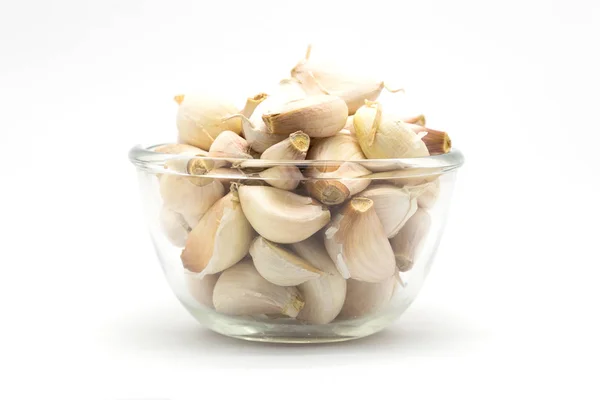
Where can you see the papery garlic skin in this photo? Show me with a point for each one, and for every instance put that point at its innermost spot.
(393, 205)
(173, 226)
(241, 290)
(280, 266)
(363, 298)
(201, 118)
(409, 241)
(221, 238)
(357, 243)
(324, 296)
(202, 289)
(281, 216)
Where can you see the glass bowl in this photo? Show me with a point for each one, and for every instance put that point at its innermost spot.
(295, 251)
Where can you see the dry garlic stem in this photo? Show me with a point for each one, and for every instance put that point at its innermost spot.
(294, 147)
(173, 226)
(384, 136)
(280, 266)
(364, 298)
(408, 242)
(323, 79)
(317, 116)
(337, 147)
(252, 103)
(202, 289)
(221, 238)
(282, 216)
(356, 241)
(437, 142)
(189, 196)
(240, 290)
(201, 117)
(393, 205)
(323, 296)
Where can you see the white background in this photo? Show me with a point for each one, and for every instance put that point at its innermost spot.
(511, 305)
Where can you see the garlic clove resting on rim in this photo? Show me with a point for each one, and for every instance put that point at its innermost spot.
(202, 117)
(221, 238)
(340, 147)
(286, 177)
(357, 243)
(173, 226)
(393, 205)
(317, 116)
(409, 241)
(384, 135)
(241, 290)
(323, 296)
(281, 216)
(189, 196)
(201, 289)
(294, 147)
(364, 298)
(280, 266)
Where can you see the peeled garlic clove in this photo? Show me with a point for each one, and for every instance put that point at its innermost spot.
(286, 177)
(201, 117)
(280, 266)
(409, 241)
(282, 216)
(230, 143)
(357, 243)
(241, 290)
(393, 205)
(179, 148)
(189, 196)
(317, 116)
(323, 296)
(328, 191)
(292, 148)
(382, 135)
(337, 147)
(202, 289)
(173, 226)
(221, 238)
(364, 298)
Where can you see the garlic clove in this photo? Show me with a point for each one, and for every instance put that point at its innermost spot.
(281, 216)
(221, 238)
(339, 147)
(407, 177)
(364, 298)
(437, 142)
(429, 193)
(357, 243)
(201, 117)
(241, 290)
(415, 120)
(317, 116)
(231, 144)
(173, 226)
(290, 89)
(189, 196)
(393, 205)
(409, 241)
(382, 135)
(323, 296)
(349, 127)
(286, 177)
(280, 266)
(328, 191)
(201, 289)
(331, 187)
(294, 147)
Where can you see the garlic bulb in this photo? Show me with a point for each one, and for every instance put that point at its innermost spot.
(323, 296)
(231, 144)
(408, 242)
(393, 205)
(280, 266)
(282, 216)
(221, 238)
(173, 226)
(286, 177)
(317, 116)
(202, 289)
(383, 135)
(292, 148)
(364, 298)
(201, 117)
(319, 79)
(189, 196)
(240, 290)
(339, 147)
(357, 243)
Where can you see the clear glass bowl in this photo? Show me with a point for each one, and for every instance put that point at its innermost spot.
(316, 272)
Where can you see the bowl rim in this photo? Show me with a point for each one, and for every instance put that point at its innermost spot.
(144, 158)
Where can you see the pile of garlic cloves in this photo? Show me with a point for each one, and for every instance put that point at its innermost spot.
(275, 209)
